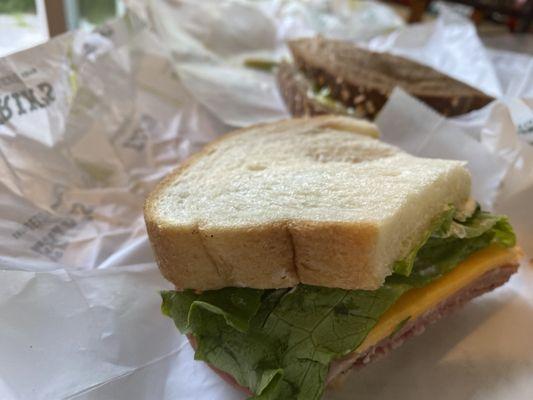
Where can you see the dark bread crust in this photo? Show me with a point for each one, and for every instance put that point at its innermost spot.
(294, 91)
(488, 281)
(364, 80)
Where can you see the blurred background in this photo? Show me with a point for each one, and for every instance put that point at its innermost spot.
(25, 23)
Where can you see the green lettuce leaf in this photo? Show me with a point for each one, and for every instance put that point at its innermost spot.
(236, 307)
(261, 64)
(446, 248)
(291, 340)
(279, 343)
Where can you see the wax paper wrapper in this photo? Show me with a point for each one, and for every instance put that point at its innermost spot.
(89, 122)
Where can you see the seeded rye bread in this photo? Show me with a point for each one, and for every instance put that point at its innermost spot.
(363, 80)
(317, 201)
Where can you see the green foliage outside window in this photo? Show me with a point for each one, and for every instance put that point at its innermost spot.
(97, 11)
(17, 6)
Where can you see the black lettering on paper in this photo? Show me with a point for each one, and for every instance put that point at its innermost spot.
(30, 96)
(20, 106)
(48, 91)
(5, 111)
(25, 101)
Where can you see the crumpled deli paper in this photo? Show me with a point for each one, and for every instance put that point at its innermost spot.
(89, 122)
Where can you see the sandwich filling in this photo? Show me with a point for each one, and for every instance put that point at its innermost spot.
(280, 343)
(322, 95)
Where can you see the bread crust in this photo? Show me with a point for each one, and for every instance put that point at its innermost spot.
(295, 93)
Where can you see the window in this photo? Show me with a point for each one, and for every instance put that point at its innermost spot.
(20, 26)
(26, 23)
(89, 13)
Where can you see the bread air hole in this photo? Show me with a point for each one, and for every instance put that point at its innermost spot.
(256, 167)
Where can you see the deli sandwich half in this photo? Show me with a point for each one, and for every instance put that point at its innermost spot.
(304, 247)
(334, 76)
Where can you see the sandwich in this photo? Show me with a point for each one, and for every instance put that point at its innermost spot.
(302, 248)
(337, 77)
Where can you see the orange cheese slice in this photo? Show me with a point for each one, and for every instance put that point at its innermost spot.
(415, 302)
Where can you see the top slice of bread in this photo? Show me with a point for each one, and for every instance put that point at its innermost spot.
(319, 201)
(363, 79)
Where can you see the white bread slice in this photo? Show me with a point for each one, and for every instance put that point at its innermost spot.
(317, 201)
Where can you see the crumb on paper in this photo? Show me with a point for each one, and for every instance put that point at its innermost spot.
(98, 172)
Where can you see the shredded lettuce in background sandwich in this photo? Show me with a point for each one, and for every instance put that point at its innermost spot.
(261, 64)
(280, 342)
